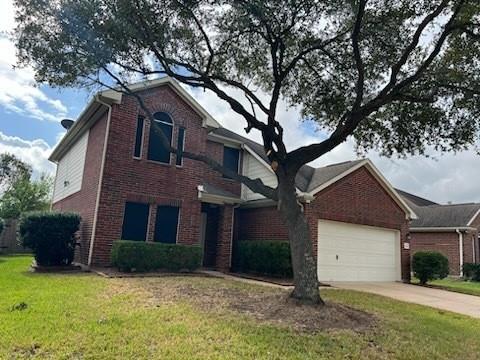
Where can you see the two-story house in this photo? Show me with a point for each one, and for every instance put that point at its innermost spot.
(114, 173)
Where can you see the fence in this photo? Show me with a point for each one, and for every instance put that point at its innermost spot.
(8, 239)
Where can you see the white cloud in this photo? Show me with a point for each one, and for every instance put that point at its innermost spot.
(18, 92)
(442, 178)
(33, 152)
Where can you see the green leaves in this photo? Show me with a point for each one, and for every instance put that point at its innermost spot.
(421, 60)
(21, 193)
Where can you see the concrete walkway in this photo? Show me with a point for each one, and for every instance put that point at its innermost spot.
(440, 299)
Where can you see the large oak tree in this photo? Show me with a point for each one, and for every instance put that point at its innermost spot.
(398, 76)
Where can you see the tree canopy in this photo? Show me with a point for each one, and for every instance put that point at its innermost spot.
(11, 170)
(22, 194)
(400, 76)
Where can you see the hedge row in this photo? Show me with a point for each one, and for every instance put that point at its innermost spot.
(471, 271)
(266, 257)
(143, 256)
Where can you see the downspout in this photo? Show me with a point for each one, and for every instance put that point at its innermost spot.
(100, 180)
(460, 249)
(474, 252)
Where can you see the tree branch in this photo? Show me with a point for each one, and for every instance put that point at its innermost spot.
(255, 185)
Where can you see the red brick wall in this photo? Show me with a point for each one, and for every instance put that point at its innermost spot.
(445, 243)
(126, 178)
(262, 223)
(224, 240)
(357, 198)
(83, 202)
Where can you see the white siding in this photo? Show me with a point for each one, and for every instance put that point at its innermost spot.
(254, 169)
(70, 170)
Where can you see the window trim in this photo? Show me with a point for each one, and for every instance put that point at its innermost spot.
(169, 163)
(142, 140)
(183, 145)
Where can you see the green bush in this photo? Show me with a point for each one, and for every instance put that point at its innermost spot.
(143, 256)
(469, 270)
(428, 266)
(267, 257)
(50, 235)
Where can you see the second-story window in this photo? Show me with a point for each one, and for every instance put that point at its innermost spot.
(163, 123)
(180, 146)
(137, 152)
(231, 159)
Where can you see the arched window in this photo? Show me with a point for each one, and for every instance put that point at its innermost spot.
(156, 152)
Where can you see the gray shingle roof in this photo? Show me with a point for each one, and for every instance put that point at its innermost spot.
(432, 215)
(308, 178)
(416, 200)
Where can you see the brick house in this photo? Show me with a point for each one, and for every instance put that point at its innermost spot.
(452, 230)
(112, 170)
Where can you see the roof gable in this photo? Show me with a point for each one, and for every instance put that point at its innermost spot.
(329, 175)
(108, 97)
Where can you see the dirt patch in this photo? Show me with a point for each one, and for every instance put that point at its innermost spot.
(267, 305)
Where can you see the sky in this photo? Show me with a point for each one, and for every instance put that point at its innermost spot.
(30, 116)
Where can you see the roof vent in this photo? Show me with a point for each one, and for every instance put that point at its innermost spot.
(67, 123)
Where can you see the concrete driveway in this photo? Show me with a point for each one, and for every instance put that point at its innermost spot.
(440, 299)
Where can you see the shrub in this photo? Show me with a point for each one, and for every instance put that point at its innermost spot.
(50, 235)
(1, 226)
(428, 266)
(144, 256)
(476, 274)
(469, 270)
(267, 257)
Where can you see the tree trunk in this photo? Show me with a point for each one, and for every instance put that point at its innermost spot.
(303, 262)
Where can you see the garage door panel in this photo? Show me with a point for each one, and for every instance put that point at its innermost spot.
(348, 252)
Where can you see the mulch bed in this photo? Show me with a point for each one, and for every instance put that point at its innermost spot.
(272, 306)
(55, 269)
(114, 273)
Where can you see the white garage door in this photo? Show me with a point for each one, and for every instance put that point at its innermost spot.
(348, 252)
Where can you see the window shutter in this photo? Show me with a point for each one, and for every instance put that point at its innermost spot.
(166, 224)
(135, 221)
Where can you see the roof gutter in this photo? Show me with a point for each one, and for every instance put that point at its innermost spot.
(441, 229)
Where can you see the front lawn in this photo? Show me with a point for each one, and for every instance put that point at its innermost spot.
(84, 316)
(458, 285)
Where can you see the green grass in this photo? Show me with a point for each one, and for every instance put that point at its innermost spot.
(458, 285)
(84, 316)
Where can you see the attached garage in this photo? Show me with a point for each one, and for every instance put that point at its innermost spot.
(350, 252)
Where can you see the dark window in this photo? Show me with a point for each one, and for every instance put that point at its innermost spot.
(180, 145)
(166, 224)
(139, 137)
(135, 221)
(231, 158)
(156, 151)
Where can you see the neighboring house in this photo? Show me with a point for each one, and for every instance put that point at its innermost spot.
(114, 173)
(451, 229)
